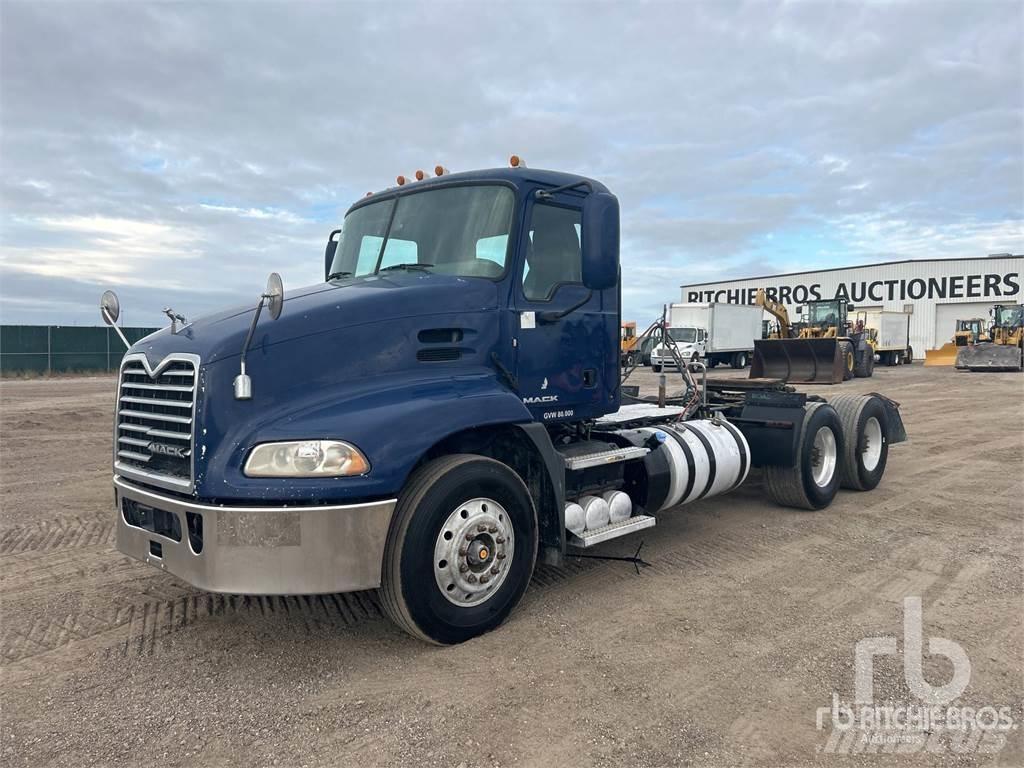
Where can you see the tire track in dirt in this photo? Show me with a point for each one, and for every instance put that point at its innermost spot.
(144, 628)
(47, 536)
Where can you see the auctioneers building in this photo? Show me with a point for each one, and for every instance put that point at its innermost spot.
(937, 292)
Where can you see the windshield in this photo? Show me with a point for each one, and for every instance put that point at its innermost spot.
(688, 335)
(454, 231)
(823, 313)
(1009, 316)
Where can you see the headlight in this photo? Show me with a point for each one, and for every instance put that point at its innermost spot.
(306, 458)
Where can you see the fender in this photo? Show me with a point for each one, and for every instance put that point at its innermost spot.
(550, 515)
(392, 425)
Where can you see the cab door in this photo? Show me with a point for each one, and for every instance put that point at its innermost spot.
(564, 347)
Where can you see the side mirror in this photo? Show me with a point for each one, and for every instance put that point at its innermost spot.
(274, 295)
(110, 310)
(332, 247)
(110, 307)
(600, 241)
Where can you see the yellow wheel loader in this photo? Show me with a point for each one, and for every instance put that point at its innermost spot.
(628, 344)
(821, 349)
(1005, 352)
(968, 333)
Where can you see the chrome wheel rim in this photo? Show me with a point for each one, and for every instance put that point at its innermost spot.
(823, 457)
(872, 452)
(473, 552)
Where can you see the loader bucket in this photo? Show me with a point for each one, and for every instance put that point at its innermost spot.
(944, 355)
(989, 357)
(800, 361)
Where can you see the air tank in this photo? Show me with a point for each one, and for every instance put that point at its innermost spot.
(595, 511)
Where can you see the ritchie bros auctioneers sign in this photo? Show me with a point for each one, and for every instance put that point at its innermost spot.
(980, 286)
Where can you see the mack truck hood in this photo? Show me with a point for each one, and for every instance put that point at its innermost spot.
(320, 309)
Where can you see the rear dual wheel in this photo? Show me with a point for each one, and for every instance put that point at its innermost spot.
(866, 449)
(461, 549)
(813, 480)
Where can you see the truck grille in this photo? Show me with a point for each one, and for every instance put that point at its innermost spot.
(154, 438)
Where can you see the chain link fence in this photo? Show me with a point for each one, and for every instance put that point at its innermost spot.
(41, 349)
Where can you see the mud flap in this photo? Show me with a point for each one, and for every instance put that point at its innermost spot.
(897, 432)
(989, 357)
(804, 361)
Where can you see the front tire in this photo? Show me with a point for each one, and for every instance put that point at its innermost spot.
(812, 482)
(656, 368)
(461, 549)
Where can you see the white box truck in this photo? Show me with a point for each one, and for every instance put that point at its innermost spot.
(711, 333)
(893, 336)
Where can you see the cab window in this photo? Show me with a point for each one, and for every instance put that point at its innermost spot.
(553, 251)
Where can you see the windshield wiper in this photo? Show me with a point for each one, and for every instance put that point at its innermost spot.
(336, 275)
(407, 265)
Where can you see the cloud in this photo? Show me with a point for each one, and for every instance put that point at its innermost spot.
(174, 148)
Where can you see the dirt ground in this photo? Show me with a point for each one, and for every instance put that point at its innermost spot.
(719, 653)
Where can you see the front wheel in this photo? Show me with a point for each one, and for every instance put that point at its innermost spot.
(461, 549)
(656, 368)
(813, 480)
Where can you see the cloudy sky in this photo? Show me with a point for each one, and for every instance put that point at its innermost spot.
(179, 152)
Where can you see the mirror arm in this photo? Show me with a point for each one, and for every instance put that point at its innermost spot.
(110, 322)
(243, 384)
(551, 317)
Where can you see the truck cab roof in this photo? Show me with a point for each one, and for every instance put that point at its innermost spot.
(518, 177)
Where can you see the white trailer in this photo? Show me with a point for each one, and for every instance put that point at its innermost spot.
(711, 333)
(893, 338)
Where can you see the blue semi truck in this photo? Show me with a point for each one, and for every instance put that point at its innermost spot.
(442, 411)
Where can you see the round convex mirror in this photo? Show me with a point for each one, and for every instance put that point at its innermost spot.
(275, 295)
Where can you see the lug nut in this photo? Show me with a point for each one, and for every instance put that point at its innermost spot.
(502, 555)
(471, 579)
(500, 540)
(470, 537)
(463, 568)
(463, 551)
(493, 529)
(481, 528)
(484, 579)
(494, 570)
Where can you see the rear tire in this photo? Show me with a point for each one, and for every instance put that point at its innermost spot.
(865, 363)
(812, 482)
(908, 358)
(439, 501)
(656, 368)
(847, 356)
(866, 446)
(739, 360)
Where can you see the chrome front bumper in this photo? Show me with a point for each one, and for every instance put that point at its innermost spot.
(261, 550)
